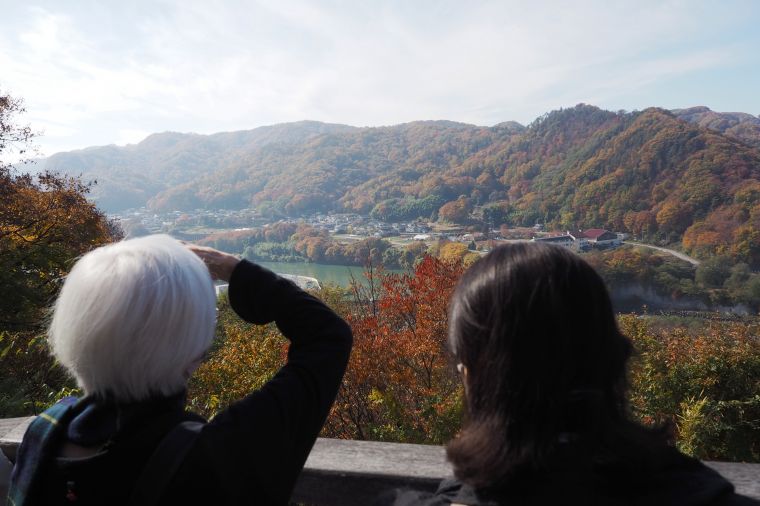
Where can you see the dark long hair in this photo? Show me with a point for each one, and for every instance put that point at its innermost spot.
(534, 326)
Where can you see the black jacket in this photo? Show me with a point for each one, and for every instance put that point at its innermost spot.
(253, 451)
(676, 480)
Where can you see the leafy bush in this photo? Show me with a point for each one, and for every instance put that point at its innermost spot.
(703, 380)
(32, 380)
(720, 430)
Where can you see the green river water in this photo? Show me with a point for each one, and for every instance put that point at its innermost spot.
(333, 274)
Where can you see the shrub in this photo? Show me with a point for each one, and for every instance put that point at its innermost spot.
(703, 380)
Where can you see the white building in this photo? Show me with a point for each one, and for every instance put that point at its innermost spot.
(565, 240)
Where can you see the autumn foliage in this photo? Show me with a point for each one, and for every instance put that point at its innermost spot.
(46, 222)
(243, 358)
(660, 178)
(704, 379)
(700, 376)
(683, 178)
(401, 384)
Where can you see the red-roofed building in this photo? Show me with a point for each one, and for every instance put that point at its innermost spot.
(600, 237)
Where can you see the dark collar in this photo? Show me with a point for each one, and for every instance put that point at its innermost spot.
(98, 420)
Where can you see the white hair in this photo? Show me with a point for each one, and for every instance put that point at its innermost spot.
(133, 317)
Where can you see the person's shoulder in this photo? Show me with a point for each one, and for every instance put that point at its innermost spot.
(738, 500)
(680, 479)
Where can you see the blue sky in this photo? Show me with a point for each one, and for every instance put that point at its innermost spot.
(107, 72)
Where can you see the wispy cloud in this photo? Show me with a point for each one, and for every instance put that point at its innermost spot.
(96, 73)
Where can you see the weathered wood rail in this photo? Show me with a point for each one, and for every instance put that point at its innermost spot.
(340, 472)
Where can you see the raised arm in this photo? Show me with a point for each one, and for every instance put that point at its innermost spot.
(264, 439)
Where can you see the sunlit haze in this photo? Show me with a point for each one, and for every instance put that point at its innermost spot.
(95, 73)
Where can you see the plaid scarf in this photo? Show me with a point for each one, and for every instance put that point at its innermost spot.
(40, 437)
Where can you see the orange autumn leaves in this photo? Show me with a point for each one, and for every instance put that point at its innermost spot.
(703, 377)
(401, 384)
(245, 357)
(46, 222)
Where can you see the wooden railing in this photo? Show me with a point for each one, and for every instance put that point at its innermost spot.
(340, 472)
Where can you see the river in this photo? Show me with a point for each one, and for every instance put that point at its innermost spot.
(331, 274)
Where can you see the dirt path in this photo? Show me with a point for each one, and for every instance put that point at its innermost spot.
(677, 254)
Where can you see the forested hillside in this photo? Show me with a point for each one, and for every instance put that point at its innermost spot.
(692, 183)
(332, 171)
(646, 173)
(738, 125)
(129, 176)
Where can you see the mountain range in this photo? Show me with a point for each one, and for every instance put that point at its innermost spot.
(688, 177)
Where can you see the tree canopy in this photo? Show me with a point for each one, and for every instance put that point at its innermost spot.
(669, 178)
(46, 222)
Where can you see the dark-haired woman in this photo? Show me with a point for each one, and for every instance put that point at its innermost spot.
(544, 370)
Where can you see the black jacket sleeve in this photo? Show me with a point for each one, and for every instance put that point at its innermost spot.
(259, 444)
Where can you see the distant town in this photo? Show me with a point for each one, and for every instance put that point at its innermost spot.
(200, 223)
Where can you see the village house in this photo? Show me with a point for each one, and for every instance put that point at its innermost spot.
(566, 240)
(582, 240)
(600, 238)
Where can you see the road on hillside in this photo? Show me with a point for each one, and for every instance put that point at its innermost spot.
(677, 254)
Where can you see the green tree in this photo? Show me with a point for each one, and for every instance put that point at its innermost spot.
(740, 274)
(494, 215)
(713, 272)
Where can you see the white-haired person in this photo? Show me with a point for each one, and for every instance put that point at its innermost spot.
(131, 324)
